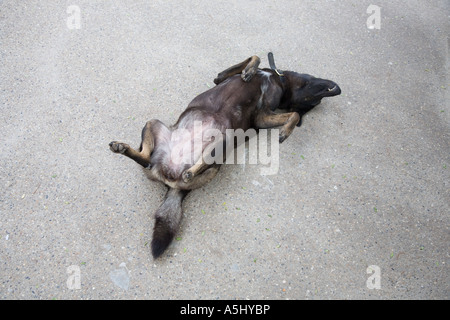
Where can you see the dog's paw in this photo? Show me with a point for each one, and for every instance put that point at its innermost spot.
(118, 147)
(283, 135)
(247, 75)
(220, 78)
(187, 176)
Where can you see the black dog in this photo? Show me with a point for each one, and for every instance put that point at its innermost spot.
(245, 98)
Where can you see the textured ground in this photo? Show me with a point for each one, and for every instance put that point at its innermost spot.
(364, 181)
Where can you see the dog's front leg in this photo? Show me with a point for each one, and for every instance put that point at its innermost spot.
(251, 69)
(247, 68)
(302, 110)
(285, 121)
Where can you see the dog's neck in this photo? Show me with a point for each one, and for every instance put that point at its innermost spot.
(281, 79)
(285, 85)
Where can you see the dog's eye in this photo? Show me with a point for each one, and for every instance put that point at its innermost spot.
(303, 86)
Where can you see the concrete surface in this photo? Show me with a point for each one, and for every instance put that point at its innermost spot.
(364, 182)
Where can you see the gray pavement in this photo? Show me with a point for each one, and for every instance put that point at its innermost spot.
(364, 182)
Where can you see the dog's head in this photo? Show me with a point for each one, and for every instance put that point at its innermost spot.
(307, 90)
(304, 90)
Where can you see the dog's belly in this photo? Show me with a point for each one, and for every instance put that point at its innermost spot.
(230, 105)
(183, 146)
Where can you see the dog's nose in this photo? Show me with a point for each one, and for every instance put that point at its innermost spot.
(334, 89)
(337, 90)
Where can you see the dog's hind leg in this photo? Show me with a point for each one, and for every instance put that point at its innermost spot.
(199, 180)
(247, 68)
(212, 155)
(285, 121)
(149, 132)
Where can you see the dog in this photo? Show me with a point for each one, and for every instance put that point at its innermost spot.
(245, 97)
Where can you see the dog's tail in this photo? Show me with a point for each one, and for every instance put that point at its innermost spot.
(167, 221)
